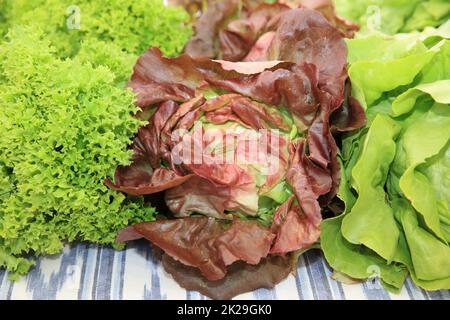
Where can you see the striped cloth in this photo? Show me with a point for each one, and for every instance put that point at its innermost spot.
(90, 272)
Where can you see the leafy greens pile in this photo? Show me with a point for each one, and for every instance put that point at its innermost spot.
(281, 81)
(395, 185)
(66, 121)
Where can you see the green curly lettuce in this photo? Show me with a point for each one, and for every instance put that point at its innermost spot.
(64, 127)
(101, 53)
(110, 33)
(132, 26)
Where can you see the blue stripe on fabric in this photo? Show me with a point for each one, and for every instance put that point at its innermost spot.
(117, 276)
(313, 289)
(10, 290)
(340, 289)
(373, 290)
(435, 295)
(103, 272)
(97, 265)
(156, 281)
(317, 276)
(265, 294)
(299, 287)
(425, 294)
(36, 278)
(43, 289)
(122, 273)
(153, 293)
(445, 294)
(81, 288)
(302, 280)
(412, 295)
(5, 286)
(89, 266)
(416, 292)
(336, 287)
(143, 247)
(3, 279)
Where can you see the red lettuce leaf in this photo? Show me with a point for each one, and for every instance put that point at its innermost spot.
(241, 277)
(135, 180)
(206, 243)
(326, 7)
(239, 36)
(158, 79)
(200, 196)
(295, 87)
(350, 116)
(259, 49)
(206, 29)
(305, 36)
(308, 180)
(256, 116)
(147, 143)
(294, 230)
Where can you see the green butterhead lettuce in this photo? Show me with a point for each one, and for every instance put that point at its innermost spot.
(394, 16)
(398, 166)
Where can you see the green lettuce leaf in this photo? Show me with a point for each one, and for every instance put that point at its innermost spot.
(371, 220)
(416, 243)
(394, 16)
(370, 80)
(433, 80)
(355, 261)
(437, 170)
(430, 132)
(438, 90)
